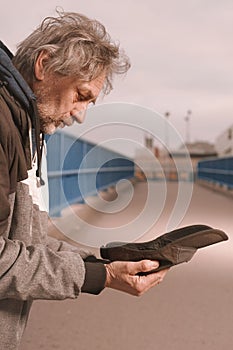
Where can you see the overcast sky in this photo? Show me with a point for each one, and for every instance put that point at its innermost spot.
(181, 53)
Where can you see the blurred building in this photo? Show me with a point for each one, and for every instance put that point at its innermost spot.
(156, 163)
(224, 143)
(197, 151)
(147, 160)
(217, 172)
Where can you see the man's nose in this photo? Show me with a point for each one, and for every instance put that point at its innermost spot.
(80, 115)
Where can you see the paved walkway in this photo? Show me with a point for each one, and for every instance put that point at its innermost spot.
(191, 310)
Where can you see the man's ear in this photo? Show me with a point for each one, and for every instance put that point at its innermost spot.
(39, 68)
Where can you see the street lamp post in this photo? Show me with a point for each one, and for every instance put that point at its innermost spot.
(187, 119)
(167, 115)
(167, 152)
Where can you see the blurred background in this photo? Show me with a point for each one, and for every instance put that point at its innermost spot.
(181, 54)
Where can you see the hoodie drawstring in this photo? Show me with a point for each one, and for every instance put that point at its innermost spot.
(38, 140)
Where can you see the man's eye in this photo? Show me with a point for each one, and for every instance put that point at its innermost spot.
(81, 98)
(85, 98)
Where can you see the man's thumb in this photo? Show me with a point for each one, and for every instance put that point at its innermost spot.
(146, 265)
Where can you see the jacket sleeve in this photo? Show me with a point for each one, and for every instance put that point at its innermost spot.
(4, 191)
(39, 271)
(95, 271)
(61, 245)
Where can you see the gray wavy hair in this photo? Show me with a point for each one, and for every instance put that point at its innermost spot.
(77, 46)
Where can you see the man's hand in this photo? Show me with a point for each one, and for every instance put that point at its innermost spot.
(122, 275)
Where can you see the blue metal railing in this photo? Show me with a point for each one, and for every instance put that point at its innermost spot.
(218, 171)
(77, 168)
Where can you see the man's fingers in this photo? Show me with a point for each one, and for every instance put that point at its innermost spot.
(154, 278)
(143, 266)
(144, 283)
(125, 276)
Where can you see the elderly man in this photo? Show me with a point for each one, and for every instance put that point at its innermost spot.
(56, 72)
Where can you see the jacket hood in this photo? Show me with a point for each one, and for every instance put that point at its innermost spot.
(18, 87)
(16, 83)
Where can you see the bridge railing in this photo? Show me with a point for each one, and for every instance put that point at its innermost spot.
(77, 169)
(217, 171)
